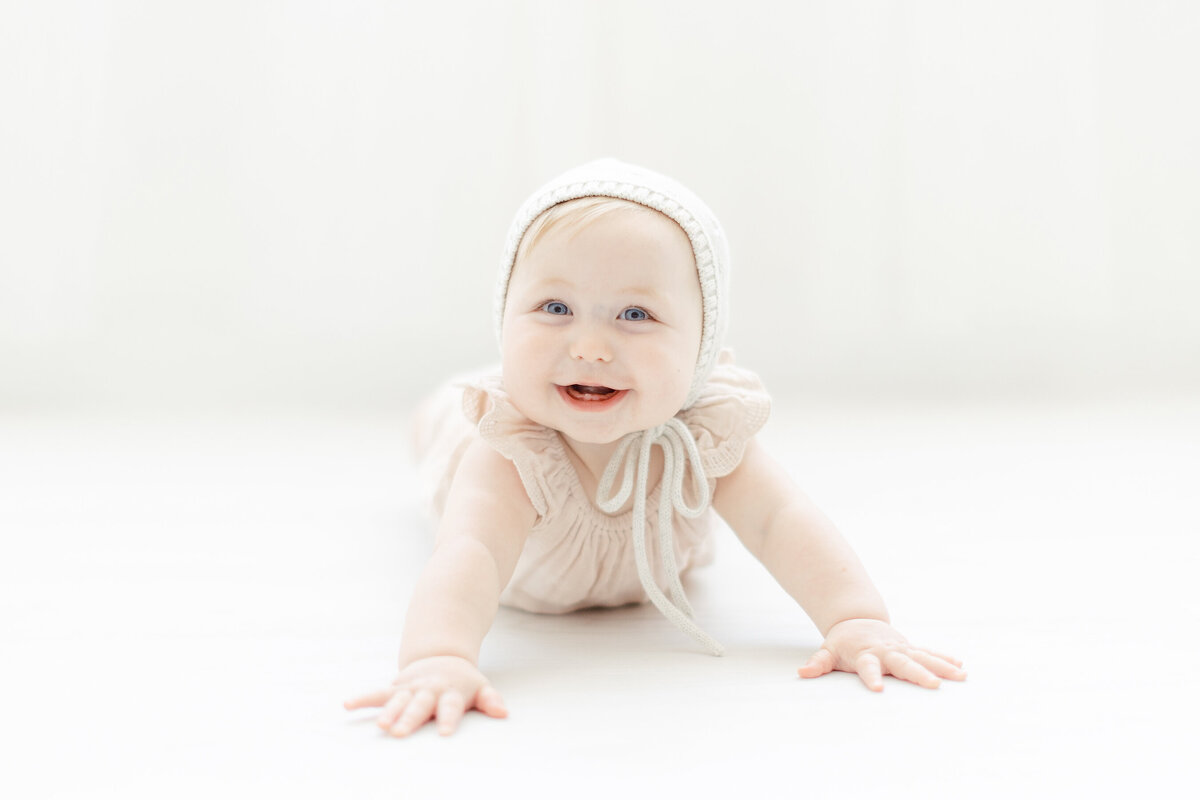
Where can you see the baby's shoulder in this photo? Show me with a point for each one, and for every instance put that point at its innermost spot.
(485, 471)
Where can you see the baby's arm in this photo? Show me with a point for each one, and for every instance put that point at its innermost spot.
(480, 537)
(802, 549)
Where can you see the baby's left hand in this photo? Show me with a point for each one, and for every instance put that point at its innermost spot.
(873, 648)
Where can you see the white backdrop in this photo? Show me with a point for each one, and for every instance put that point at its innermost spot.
(294, 210)
(267, 204)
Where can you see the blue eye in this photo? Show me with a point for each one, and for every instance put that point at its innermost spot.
(634, 314)
(556, 308)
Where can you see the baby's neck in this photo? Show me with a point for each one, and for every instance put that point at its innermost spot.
(591, 460)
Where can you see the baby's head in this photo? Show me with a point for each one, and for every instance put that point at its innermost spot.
(611, 302)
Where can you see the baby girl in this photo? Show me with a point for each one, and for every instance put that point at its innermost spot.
(586, 472)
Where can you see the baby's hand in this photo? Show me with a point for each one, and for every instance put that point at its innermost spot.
(445, 687)
(873, 649)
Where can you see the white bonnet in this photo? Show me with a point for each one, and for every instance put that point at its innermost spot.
(612, 178)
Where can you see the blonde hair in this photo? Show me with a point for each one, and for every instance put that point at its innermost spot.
(574, 214)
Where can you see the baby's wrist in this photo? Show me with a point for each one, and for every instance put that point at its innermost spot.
(877, 617)
(409, 657)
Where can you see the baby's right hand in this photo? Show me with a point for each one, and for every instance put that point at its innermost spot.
(441, 687)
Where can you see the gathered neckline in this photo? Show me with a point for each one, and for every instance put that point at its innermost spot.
(620, 521)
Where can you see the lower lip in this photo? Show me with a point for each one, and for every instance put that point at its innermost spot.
(591, 405)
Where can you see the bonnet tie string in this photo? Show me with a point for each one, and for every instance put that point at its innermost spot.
(633, 455)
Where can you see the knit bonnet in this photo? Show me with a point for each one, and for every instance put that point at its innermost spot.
(612, 178)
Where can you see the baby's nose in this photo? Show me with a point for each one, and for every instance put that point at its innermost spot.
(590, 344)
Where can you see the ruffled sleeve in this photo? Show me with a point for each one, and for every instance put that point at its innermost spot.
(731, 408)
(531, 447)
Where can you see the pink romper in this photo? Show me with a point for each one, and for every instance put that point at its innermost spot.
(577, 556)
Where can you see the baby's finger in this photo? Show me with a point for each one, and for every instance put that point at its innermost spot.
(821, 663)
(369, 700)
(416, 713)
(870, 671)
(951, 659)
(938, 665)
(489, 701)
(393, 707)
(904, 667)
(450, 709)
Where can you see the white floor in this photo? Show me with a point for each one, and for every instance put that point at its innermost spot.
(184, 604)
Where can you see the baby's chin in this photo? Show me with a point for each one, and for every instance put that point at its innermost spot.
(598, 435)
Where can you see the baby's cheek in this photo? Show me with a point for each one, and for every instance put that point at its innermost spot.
(672, 389)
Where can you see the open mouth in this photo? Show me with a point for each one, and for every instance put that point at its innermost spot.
(582, 395)
(581, 391)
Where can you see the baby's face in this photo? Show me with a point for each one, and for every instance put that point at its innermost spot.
(602, 326)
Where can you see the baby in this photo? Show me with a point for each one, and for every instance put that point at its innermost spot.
(583, 474)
